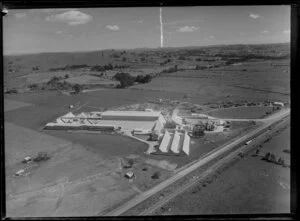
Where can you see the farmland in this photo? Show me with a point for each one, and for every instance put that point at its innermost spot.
(85, 174)
(241, 112)
(250, 186)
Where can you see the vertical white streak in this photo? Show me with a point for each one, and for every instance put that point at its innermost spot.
(161, 30)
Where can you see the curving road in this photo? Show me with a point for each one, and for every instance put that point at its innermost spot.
(145, 195)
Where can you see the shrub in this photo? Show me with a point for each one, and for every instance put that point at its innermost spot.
(287, 151)
(77, 88)
(156, 175)
(281, 161)
(130, 162)
(143, 79)
(42, 156)
(66, 76)
(181, 57)
(11, 91)
(272, 158)
(170, 125)
(33, 86)
(125, 79)
(267, 156)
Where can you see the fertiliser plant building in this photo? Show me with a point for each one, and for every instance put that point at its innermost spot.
(186, 144)
(175, 143)
(165, 142)
(131, 115)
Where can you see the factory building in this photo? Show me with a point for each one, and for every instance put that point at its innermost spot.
(163, 147)
(186, 144)
(131, 115)
(175, 143)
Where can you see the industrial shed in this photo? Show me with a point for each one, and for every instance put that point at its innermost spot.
(175, 143)
(165, 142)
(186, 144)
(131, 115)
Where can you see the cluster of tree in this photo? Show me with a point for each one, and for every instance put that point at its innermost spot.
(171, 69)
(69, 67)
(166, 61)
(35, 68)
(287, 151)
(107, 67)
(42, 156)
(127, 80)
(98, 75)
(181, 57)
(77, 88)
(269, 157)
(11, 91)
(115, 56)
(198, 131)
(170, 125)
(57, 83)
(102, 67)
(236, 58)
(156, 175)
(203, 59)
(143, 79)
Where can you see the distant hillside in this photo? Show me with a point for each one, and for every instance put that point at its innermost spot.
(44, 61)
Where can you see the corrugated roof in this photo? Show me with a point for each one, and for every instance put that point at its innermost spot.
(132, 113)
(70, 114)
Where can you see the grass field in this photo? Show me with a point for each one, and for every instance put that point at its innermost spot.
(251, 186)
(11, 104)
(87, 167)
(74, 171)
(255, 112)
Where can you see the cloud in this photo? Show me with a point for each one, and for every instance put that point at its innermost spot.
(187, 29)
(113, 27)
(254, 16)
(242, 33)
(20, 15)
(264, 32)
(286, 32)
(72, 17)
(211, 36)
(58, 32)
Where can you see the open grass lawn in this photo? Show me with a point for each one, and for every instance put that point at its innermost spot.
(104, 144)
(251, 81)
(254, 112)
(11, 104)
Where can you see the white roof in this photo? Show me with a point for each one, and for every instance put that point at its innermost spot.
(82, 115)
(70, 114)
(132, 113)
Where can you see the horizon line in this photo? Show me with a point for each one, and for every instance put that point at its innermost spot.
(128, 49)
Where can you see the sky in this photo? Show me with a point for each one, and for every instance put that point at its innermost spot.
(90, 29)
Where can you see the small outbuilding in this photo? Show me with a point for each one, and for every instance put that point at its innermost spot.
(278, 104)
(129, 175)
(27, 160)
(20, 172)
